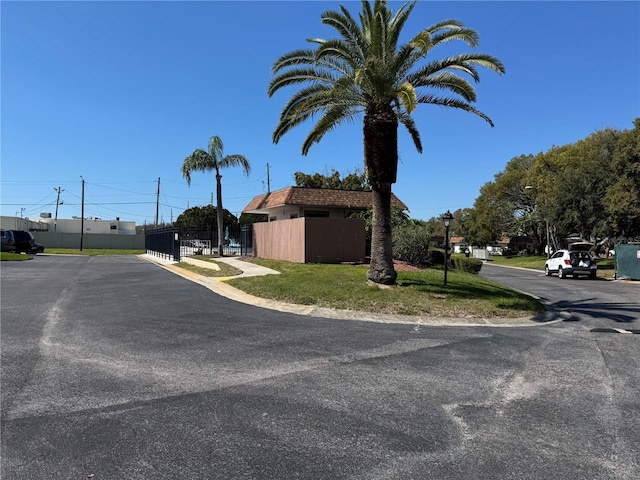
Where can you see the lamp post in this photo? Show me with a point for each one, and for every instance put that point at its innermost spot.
(447, 218)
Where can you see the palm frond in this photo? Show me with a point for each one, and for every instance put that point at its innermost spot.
(450, 81)
(347, 27)
(453, 103)
(300, 75)
(407, 120)
(467, 35)
(215, 148)
(341, 50)
(198, 161)
(297, 57)
(407, 96)
(236, 160)
(331, 118)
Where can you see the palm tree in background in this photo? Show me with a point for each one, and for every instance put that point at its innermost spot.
(214, 159)
(365, 71)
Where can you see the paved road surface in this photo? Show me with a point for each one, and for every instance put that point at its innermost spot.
(117, 368)
(598, 303)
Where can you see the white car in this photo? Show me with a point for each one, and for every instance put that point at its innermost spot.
(576, 261)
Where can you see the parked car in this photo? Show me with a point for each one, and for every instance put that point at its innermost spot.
(576, 260)
(8, 241)
(26, 243)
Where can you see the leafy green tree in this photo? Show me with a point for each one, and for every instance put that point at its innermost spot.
(367, 71)
(504, 207)
(204, 218)
(251, 218)
(570, 183)
(214, 159)
(622, 199)
(353, 181)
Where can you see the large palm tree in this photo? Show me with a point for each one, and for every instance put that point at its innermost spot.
(214, 159)
(366, 71)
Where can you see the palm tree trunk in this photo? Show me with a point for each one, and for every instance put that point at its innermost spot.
(381, 167)
(219, 214)
(381, 269)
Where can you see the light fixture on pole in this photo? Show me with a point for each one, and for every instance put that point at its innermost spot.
(447, 219)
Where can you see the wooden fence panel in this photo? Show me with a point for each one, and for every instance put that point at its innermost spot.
(311, 240)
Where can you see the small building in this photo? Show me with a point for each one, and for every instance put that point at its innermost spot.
(458, 244)
(312, 225)
(296, 202)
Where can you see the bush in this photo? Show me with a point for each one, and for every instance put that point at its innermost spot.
(411, 244)
(469, 265)
(436, 258)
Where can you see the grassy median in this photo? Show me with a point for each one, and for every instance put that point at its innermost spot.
(418, 292)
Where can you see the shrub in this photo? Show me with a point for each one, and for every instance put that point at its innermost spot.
(411, 244)
(436, 257)
(469, 265)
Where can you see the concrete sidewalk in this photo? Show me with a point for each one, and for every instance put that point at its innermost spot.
(219, 286)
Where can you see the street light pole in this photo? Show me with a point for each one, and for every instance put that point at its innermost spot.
(447, 218)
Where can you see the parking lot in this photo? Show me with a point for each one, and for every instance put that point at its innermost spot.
(117, 368)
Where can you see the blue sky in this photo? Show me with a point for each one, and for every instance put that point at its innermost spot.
(121, 92)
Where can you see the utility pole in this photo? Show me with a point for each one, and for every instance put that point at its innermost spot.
(55, 222)
(268, 180)
(82, 216)
(157, 202)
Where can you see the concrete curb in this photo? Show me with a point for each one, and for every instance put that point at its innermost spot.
(218, 285)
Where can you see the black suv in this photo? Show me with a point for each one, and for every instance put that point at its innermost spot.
(25, 242)
(8, 242)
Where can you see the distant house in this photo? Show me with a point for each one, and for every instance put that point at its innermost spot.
(511, 244)
(311, 224)
(458, 244)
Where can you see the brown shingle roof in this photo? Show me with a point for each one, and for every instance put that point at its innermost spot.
(315, 197)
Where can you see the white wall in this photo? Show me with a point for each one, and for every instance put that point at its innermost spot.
(70, 225)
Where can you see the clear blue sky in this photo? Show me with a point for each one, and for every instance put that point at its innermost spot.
(121, 92)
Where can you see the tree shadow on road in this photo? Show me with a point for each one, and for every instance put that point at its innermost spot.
(613, 311)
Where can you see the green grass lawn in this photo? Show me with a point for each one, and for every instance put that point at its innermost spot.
(418, 293)
(528, 261)
(14, 257)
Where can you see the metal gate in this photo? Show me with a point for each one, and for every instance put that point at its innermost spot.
(163, 242)
(174, 243)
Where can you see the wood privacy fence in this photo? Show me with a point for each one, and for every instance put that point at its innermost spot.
(311, 240)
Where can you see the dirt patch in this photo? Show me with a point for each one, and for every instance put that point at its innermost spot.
(405, 267)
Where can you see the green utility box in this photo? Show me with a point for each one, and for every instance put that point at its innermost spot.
(627, 262)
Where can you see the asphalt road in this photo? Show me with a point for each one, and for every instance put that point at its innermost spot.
(115, 368)
(597, 303)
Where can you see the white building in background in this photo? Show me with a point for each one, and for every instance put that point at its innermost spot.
(72, 225)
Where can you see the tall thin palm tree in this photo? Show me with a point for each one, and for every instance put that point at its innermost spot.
(214, 159)
(366, 71)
